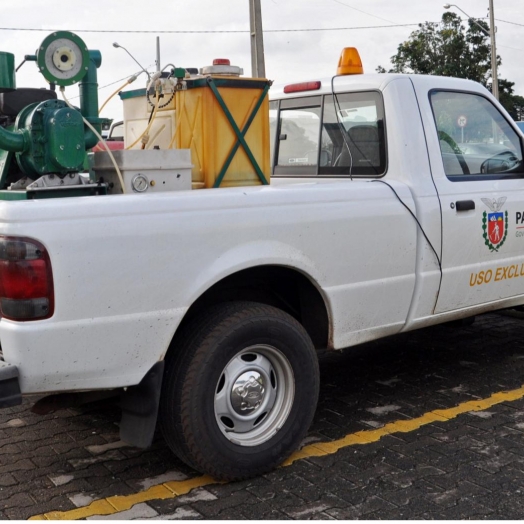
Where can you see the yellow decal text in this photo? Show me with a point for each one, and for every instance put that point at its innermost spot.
(496, 275)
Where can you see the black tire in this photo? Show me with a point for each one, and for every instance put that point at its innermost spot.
(276, 386)
(462, 322)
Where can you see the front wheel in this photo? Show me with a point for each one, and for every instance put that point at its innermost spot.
(241, 391)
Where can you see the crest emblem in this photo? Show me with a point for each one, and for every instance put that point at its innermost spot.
(495, 224)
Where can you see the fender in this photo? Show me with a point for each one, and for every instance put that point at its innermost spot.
(254, 254)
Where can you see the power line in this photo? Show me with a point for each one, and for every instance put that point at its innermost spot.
(360, 11)
(116, 81)
(244, 31)
(125, 77)
(508, 22)
(336, 28)
(235, 31)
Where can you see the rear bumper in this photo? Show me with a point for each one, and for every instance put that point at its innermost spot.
(10, 394)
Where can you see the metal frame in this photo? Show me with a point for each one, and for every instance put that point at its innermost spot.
(240, 134)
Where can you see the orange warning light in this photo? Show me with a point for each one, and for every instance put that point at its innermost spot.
(349, 62)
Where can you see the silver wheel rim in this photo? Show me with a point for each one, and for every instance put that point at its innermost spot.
(254, 395)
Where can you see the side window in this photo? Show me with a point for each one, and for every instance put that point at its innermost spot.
(475, 139)
(353, 141)
(299, 131)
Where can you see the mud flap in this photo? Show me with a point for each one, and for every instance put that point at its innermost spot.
(140, 408)
(9, 386)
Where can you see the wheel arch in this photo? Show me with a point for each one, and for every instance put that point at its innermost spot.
(286, 288)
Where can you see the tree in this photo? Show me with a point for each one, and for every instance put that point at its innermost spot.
(447, 48)
(514, 104)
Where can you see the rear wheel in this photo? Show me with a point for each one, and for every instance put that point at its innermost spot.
(241, 392)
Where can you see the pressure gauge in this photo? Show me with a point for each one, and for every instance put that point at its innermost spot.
(140, 183)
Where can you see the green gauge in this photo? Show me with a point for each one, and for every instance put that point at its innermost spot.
(63, 58)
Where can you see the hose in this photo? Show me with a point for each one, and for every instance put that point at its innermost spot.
(130, 80)
(144, 136)
(97, 134)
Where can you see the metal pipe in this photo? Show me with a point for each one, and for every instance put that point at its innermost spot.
(89, 98)
(492, 29)
(14, 141)
(117, 45)
(157, 54)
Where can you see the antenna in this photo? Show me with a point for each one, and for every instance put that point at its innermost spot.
(157, 54)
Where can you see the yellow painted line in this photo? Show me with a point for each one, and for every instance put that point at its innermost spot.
(173, 489)
(116, 504)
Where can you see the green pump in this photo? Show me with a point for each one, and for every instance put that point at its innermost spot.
(50, 136)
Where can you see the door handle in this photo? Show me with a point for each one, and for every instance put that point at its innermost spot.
(464, 205)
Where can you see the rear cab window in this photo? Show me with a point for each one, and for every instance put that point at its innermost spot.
(329, 135)
(353, 134)
(298, 140)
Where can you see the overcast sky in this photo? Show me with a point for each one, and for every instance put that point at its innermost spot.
(290, 56)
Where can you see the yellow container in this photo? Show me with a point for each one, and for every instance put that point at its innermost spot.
(203, 127)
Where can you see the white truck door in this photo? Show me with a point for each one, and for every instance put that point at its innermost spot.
(480, 181)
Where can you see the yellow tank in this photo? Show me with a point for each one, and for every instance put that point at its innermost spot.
(203, 126)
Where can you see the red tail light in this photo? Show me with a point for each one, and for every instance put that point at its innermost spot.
(26, 280)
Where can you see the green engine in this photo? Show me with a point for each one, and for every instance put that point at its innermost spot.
(41, 136)
(54, 139)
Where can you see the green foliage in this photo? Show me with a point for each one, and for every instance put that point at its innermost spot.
(514, 104)
(447, 48)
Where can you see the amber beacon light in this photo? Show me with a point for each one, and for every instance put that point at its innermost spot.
(349, 62)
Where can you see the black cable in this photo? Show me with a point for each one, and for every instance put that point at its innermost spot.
(151, 115)
(508, 22)
(335, 98)
(364, 12)
(161, 106)
(438, 198)
(340, 125)
(298, 30)
(305, 30)
(21, 64)
(416, 220)
(345, 133)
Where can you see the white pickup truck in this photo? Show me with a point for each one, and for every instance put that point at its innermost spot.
(396, 202)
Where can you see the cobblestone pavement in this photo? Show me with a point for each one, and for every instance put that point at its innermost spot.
(469, 467)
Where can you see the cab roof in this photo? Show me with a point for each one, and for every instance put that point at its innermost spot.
(376, 81)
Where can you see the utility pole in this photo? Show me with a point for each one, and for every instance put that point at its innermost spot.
(492, 29)
(258, 68)
(491, 34)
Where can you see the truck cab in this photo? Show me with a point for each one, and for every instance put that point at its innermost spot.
(450, 143)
